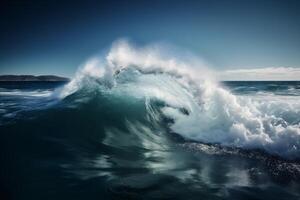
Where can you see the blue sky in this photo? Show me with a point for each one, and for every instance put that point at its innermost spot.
(55, 37)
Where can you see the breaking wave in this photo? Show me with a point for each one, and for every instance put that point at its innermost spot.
(182, 96)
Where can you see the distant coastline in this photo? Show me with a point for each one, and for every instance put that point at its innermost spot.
(49, 78)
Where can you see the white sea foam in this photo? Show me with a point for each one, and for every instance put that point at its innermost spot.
(214, 114)
(34, 93)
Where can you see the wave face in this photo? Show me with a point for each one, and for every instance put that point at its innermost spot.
(197, 107)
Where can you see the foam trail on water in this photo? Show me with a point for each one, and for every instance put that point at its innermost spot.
(202, 110)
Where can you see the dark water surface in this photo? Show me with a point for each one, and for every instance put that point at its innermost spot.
(112, 148)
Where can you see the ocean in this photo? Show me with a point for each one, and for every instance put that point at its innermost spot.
(135, 124)
(148, 137)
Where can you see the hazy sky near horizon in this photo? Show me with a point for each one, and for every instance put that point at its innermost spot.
(56, 37)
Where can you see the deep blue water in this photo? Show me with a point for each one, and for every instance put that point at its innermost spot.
(271, 87)
(109, 148)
